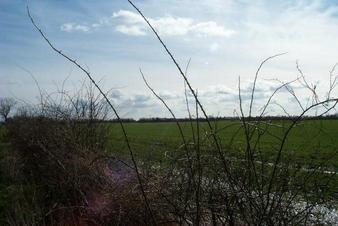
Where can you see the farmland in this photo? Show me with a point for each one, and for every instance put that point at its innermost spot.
(311, 141)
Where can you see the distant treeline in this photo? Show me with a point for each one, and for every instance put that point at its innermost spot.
(212, 118)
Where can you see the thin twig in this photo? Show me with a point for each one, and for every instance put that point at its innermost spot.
(256, 76)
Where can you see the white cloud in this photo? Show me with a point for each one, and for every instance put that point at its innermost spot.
(116, 94)
(169, 25)
(102, 22)
(167, 95)
(210, 28)
(130, 23)
(130, 30)
(305, 28)
(71, 27)
(132, 101)
(128, 16)
(214, 47)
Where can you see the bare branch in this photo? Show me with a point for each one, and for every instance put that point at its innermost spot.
(109, 103)
(256, 76)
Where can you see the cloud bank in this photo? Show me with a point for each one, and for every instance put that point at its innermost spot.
(219, 100)
(71, 27)
(130, 23)
(169, 26)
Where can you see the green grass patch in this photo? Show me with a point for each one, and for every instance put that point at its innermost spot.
(309, 142)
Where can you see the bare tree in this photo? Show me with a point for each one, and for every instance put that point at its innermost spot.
(6, 106)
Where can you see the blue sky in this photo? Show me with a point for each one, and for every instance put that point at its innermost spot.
(225, 39)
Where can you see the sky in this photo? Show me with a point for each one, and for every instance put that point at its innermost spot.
(224, 40)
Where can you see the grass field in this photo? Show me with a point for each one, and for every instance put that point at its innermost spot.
(310, 141)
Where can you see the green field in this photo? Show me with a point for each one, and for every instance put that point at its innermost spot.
(310, 141)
